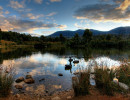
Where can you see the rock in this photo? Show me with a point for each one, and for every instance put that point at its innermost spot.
(57, 86)
(56, 98)
(28, 76)
(68, 67)
(42, 79)
(42, 99)
(76, 61)
(70, 59)
(18, 86)
(76, 73)
(74, 78)
(20, 79)
(17, 96)
(60, 74)
(29, 89)
(126, 87)
(92, 82)
(11, 92)
(69, 97)
(115, 80)
(46, 91)
(29, 81)
(123, 85)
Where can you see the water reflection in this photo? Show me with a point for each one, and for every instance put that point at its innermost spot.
(48, 63)
(103, 62)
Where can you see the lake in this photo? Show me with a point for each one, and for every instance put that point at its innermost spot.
(45, 65)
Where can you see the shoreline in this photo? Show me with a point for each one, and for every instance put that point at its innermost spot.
(68, 95)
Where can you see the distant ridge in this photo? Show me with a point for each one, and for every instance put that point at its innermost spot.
(69, 34)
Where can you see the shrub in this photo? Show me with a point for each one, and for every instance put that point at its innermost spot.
(103, 79)
(6, 80)
(81, 83)
(123, 73)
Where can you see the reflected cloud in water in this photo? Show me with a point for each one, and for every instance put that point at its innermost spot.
(48, 66)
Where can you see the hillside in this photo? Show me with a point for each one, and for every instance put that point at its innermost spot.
(69, 34)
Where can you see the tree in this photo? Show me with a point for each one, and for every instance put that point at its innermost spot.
(76, 39)
(87, 36)
(108, 37)
(42, 38)
(62, 38)
(0, 30)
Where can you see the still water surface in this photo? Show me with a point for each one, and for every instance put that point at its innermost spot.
(47, 64)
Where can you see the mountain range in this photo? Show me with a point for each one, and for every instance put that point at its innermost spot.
(69, 34)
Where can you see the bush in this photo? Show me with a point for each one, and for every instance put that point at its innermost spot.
(81, 83)
(103, 78)
(6, 80)
(123, 73)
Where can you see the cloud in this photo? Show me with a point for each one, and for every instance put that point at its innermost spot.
(14, 24)
(38, 1)
(32, 16)
(7, 12)
(115, 1)
(118, 1)
(102, 13)
(55, 0)
(62, 27)
(1, 11)
(124, 5)
(1, 8)
(47, 32)
(16, 4)
(104, 0)
(19, 25)
(51, 14)
(82, 25)
(78, 26)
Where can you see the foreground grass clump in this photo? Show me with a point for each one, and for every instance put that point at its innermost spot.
(123, 74)
(6, 81)
(104, 81)
(81, 83)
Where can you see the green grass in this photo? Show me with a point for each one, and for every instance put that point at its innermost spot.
(6, 80)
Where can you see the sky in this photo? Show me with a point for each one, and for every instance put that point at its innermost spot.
(44, 17)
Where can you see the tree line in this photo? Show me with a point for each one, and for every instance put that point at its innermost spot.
(87, 39)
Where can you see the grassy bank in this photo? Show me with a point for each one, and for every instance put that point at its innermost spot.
(105, 80)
